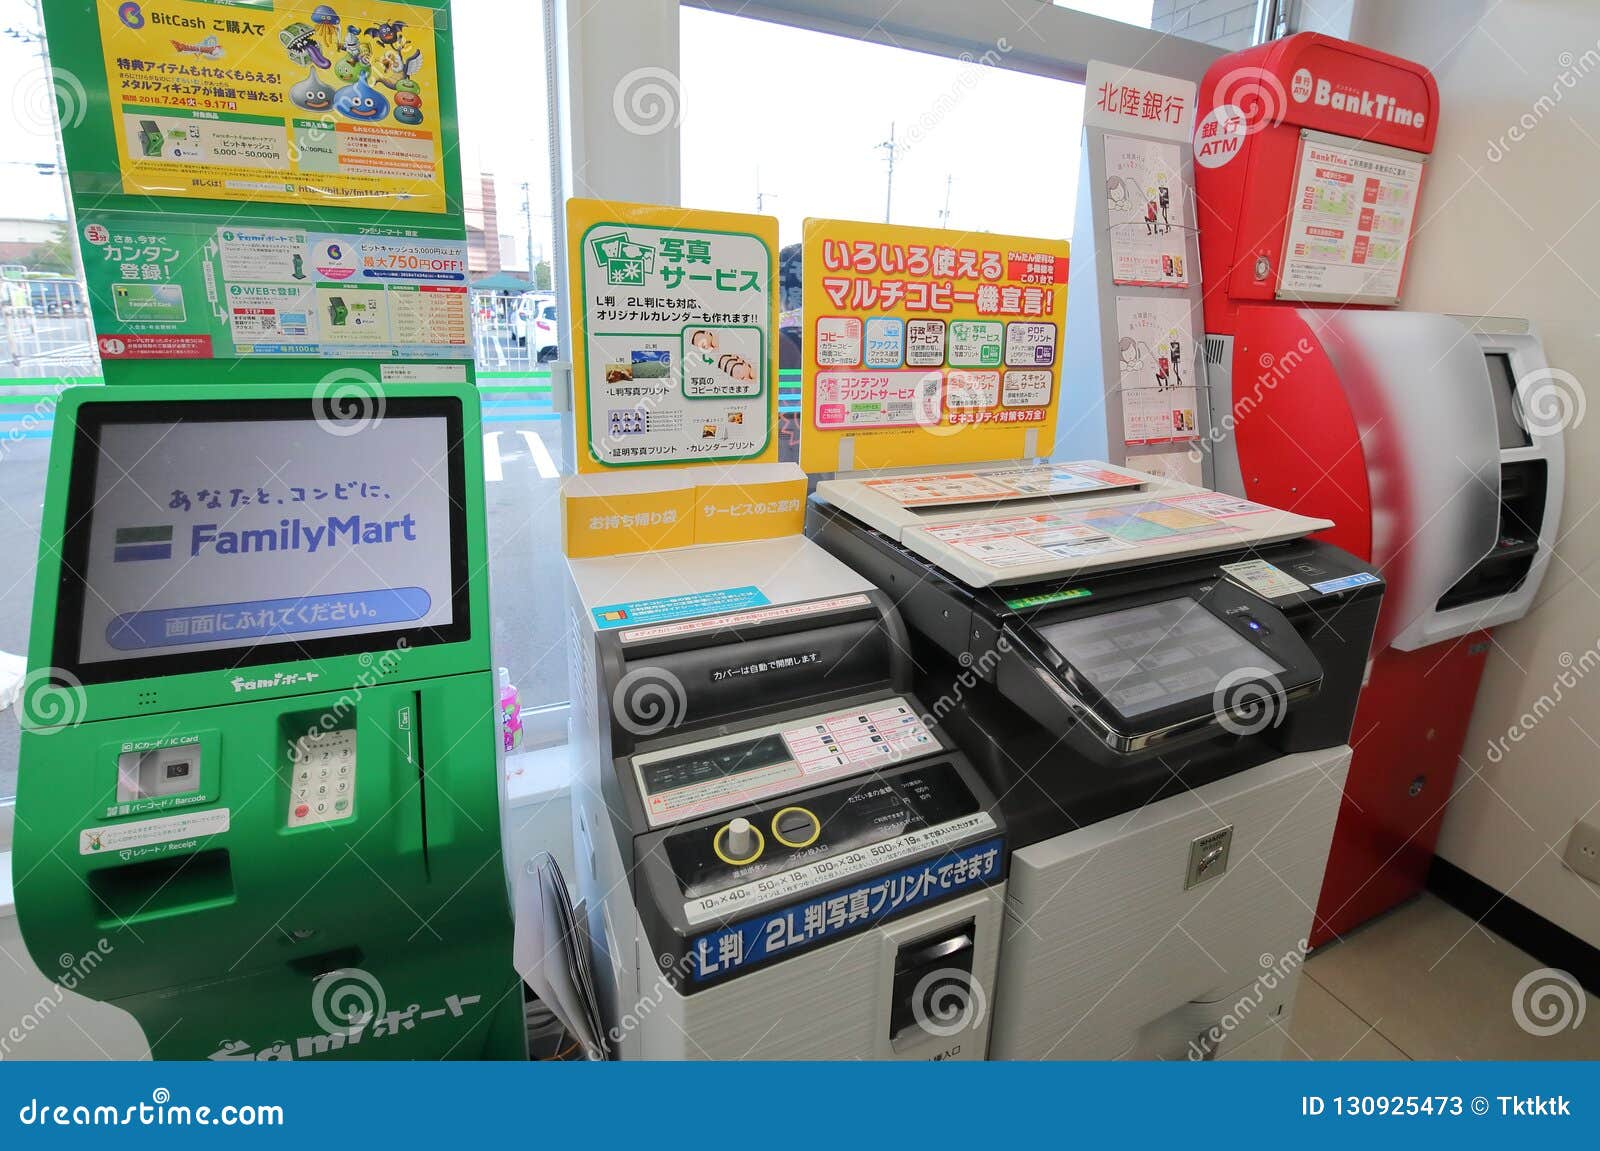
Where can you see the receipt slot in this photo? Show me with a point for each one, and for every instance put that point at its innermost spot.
(258, 765)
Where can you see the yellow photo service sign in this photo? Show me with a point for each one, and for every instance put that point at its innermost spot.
(279, 101)
(928, 346)
(673, 312)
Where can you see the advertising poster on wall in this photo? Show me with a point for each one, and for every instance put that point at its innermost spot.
(1350, 223)
(1155, 351)
(185, 288)
(673, 313)
(1145, 209)
(281, 100)
(928, 346)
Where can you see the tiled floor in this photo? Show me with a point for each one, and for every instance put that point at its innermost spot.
(1426, 982)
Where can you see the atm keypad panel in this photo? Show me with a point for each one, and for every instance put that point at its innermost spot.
(322, 785)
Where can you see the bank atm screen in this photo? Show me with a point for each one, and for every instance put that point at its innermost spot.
(1146, 658)
(1507, 408)
(256, 531)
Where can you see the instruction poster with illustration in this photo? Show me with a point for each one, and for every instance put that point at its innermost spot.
(1350, 224)
(674, 311)
(1155, 351)
(926, 346)
(1145, 200)
(174, 288)
(278, 100)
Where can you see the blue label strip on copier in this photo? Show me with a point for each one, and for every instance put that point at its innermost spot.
(804, 925)
(645, 611)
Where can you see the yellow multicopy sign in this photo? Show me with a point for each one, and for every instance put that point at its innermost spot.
(281, 101)
(927, 346)
(673, 358)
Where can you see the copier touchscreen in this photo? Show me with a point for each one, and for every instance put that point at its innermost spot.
(1146, 658)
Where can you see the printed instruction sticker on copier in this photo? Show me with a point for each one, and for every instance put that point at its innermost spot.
(745, 619)
(1264, 579)
(647, 611)
(943, 488)
(888, 734)
(828, 746)
(1345, 583)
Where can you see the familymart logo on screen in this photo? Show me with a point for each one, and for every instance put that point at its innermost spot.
(154, 542)
(296, 535)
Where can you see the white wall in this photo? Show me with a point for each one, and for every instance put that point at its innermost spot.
(1511, 226)
(1229, 24)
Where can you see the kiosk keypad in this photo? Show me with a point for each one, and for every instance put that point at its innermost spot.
(323, 780)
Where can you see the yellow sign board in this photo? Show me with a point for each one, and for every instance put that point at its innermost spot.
(604, 523)
(282, 101)
(926, 346)
(673, 317)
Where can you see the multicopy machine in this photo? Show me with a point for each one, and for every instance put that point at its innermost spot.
(780, 855)
(1157, 682)
(258, 770)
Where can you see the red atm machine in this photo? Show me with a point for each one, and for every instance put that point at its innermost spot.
(1432, 442)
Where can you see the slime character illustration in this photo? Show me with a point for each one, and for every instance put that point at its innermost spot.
(359, 101)
(314, 94)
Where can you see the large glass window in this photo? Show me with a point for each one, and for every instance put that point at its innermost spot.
(505, 170)
(45, 338)
(829, 126)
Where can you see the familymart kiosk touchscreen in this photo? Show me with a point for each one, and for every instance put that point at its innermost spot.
(267, 631)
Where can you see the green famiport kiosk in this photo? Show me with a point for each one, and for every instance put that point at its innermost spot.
(262, 780)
